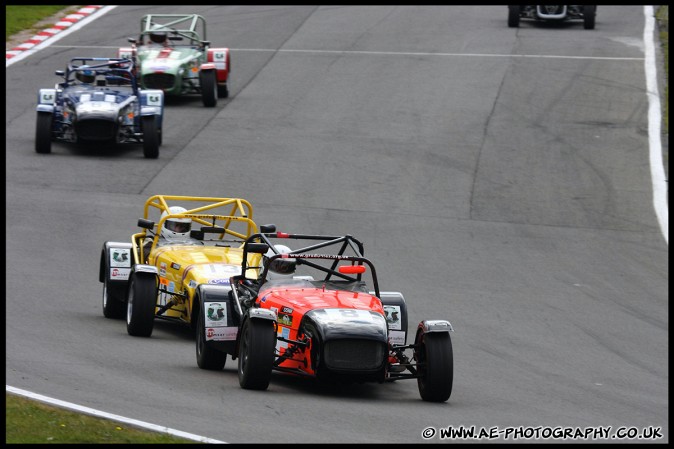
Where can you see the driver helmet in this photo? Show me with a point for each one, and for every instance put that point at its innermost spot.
(158, 37)
(176, 229)
(85, 75)
(280, 268)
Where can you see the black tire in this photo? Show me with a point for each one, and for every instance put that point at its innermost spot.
(209, 88)
(150, 137)
(589, 14)
(513, 16)
(256, 354)
(43, 132)
(207, 357)
(113, 301)
(160, 133)
(436, 366)
(223, 91)
(140, 305)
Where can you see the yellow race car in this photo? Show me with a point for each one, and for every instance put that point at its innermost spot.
(188, 249)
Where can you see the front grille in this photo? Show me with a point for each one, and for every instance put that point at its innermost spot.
(353, 355)
(95, 129)
(159, 81)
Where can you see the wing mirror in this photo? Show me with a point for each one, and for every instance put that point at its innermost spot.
(351, 269)
(257, 248)
(146, 224)
(267, 229)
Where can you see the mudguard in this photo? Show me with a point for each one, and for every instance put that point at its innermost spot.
(427, 326)
(125, 52)
(116, 261)
(396, 316)
(151, 102)
(45, 100)
(221, 319)
(220, 59)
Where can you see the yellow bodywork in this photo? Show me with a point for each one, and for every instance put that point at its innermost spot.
(183, 267)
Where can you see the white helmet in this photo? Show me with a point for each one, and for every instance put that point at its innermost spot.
(280, 268)
(176, 229)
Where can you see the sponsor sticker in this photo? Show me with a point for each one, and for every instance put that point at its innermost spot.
(218, 281)
(393, 317)
(396, 337)
(47, 97)
(285, 333)
(175, 266)
(221, 333)
(120, 257)
(215, 314)
(153, 100)
(285, 319)
(162, 269)
(120, 274)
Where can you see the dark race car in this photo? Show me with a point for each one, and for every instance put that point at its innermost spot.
(552, 13)
(99, 101)
(326, 322)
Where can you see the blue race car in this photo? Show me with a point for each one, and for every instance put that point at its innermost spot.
(100, 101)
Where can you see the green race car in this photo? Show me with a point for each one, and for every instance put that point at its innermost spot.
(172, 54)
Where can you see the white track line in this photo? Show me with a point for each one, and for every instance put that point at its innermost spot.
(122, 419)
(654, 122)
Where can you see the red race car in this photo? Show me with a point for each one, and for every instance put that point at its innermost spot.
(314, 314)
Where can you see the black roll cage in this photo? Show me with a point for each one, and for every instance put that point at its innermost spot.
(303, 255)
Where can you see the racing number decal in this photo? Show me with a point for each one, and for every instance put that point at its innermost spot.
(349, 314)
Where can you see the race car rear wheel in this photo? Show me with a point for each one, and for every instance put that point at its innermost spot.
(256, 354)
(513, 16)
(209, 88)
(223, 91)
(140, 305)
(435, 365)
(150, 137)
(43, 132)
(207, 357)
(113, 301)
(589, 14)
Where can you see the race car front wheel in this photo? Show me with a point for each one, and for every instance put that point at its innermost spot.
(223, 91)
(43, 132)
(256, 354)
(150, 137)
(207, 357)
(435, 365)
(589, 14)
(140, 305)
(209, 88)
(513, 16)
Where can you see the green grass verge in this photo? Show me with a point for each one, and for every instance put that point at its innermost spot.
(33, 422)
(20, 18)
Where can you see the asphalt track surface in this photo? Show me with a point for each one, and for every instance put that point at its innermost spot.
(510, 194)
